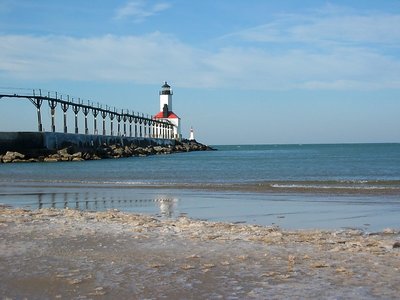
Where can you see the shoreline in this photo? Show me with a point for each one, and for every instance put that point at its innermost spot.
(64, 253)
(367, 212)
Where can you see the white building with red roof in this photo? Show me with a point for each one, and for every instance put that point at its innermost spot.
(166, 113)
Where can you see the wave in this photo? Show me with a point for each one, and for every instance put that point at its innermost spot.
(353, 186)
(312, 186)
(303, 186)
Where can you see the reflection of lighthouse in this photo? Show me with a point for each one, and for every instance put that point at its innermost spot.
(191, 136)
(167, 205)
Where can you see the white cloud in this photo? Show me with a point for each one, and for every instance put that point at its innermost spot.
(143, 59)
(342, 69)
(322, 29)
(154, 57)
(351, 29)
(139, 10)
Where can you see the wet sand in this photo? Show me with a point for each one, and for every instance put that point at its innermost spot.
(69, 254)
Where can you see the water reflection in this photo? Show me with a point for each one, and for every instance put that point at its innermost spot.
(167, 205)
(164, 205)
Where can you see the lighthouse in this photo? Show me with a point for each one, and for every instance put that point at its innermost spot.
(166, 113)
(191, 136)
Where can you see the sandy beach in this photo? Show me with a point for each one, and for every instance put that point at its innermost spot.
(69, 254)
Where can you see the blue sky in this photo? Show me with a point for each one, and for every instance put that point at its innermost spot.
(242, 71)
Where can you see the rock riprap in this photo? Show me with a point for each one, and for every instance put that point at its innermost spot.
(103, 152)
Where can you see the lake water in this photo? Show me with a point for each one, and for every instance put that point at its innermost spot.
(292, 186)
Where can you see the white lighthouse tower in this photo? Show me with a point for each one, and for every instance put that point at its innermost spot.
(166, 97)
(166, 113)
(191, 136)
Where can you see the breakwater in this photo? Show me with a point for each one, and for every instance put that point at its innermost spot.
(55, 146)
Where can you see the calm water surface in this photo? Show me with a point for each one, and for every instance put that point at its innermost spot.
(293, 186)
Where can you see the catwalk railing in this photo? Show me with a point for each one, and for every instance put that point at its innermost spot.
(139, 124)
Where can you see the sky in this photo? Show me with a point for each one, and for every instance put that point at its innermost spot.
(242, 72)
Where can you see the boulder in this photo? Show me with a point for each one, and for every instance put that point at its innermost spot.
(77, 155)
(64, 152)
(77, 159)
(140, 151)
(167, 150)
(86, 156)
(158, 149)
(17, 160)
(162, 150)
(118, 152)
(51, 159)
(192, 146)
(11, 156)
(128, 151)
(149, 150)
(178, 148)
(18, 155)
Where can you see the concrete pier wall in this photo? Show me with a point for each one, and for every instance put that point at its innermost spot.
(49, 142)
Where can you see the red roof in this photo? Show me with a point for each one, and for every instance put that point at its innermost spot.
(171, 115)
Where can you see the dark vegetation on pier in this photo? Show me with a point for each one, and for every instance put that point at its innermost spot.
(103, 152)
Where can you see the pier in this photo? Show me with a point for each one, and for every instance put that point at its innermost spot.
(110, 126)
(129, 123)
